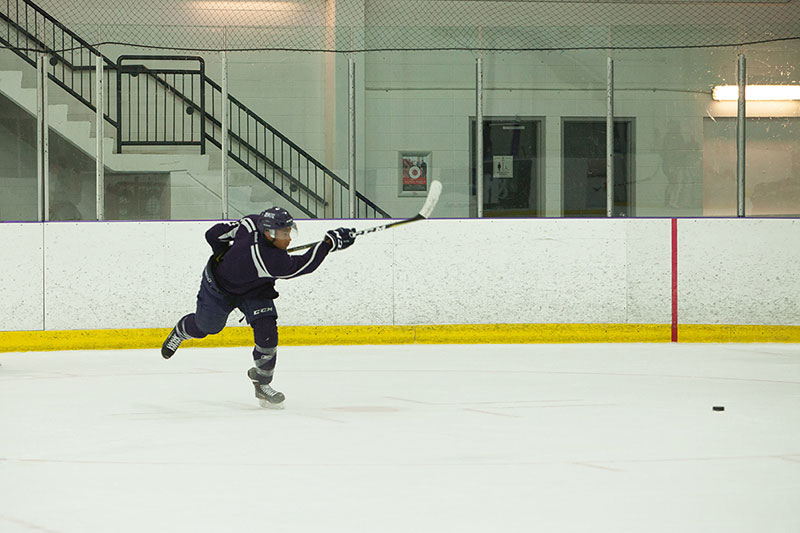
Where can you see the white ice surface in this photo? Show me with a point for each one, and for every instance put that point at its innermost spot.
(419, 438)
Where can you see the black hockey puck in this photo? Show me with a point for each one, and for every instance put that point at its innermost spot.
(718, 408)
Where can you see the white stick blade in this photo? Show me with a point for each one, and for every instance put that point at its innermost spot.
(433, 197)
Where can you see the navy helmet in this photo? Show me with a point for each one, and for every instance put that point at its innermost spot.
(275, 218)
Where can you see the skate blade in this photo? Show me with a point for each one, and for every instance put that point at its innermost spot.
(266, 405)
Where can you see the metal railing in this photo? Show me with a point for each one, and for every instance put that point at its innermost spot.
(140, 91)
(254, 144)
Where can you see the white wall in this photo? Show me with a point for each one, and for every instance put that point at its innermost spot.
(102, 275)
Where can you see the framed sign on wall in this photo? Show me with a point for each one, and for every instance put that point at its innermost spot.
(415, 173)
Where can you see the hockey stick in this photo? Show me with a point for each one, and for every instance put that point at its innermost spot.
(424, 213)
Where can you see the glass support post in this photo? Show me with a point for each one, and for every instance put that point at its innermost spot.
(99, 165)
(741, 74)
(225, 138)
(351, 140)
(610, 138)
(479, 135)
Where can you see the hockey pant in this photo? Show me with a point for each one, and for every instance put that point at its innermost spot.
(211, 315)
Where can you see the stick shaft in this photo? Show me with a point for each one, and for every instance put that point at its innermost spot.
(363, 231)
(389, 225)
(424, 213)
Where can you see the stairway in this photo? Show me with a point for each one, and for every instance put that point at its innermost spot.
(298, 180)
(194, 179)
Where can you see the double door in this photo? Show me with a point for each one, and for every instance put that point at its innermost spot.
(512, 167)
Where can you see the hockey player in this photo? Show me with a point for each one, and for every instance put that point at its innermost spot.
(249, 255)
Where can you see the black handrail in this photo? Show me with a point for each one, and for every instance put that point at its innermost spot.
(325, 170)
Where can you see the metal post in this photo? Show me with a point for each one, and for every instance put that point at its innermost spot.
(610, 138)
(225, 139)
(741, 74)
(202, 106)
(479, 135)
(45, 140)
(351, 110)
(39, 147)
(42, 140)
(119, 107)
(99, 170)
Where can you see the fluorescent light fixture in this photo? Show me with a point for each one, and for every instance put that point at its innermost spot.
(242, 5)
(757, 92)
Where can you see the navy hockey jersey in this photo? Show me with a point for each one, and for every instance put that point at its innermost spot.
(251, 264)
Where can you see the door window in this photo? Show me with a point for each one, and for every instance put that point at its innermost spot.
(510, 167)
(584, 167)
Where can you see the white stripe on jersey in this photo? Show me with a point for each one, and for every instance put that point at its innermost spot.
(230, 234)
(249, 225)
(299, 271)
(258, 261)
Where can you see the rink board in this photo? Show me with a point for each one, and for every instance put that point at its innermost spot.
(114, 284)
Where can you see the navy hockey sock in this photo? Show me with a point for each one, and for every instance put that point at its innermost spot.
(187, 326)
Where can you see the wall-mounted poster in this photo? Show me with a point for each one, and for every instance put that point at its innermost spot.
(415, 169)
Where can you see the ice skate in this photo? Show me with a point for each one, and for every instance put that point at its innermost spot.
(173, 341)
(267, 396)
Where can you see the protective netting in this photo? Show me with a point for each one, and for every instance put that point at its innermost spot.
(363, 25)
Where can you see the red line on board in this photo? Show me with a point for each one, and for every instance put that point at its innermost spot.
(674, 280)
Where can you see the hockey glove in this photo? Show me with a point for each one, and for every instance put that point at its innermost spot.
(341, 238)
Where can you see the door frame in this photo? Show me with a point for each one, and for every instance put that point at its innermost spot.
(538, 168)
